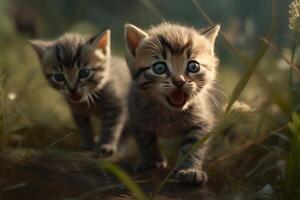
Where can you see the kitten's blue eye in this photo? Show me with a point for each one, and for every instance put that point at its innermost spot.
(160, 68)
(84, 73)
(59, 77)
(193, 67)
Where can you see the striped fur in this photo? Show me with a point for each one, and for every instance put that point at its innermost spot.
(151, 100)
(102, 93)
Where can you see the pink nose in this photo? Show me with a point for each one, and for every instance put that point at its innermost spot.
(178, 81)
(72, 90)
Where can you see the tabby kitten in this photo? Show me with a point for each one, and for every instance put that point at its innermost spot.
(92, 82)
(174, 70)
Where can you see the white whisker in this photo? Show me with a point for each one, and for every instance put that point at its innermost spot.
(88, 100)
(91, 98)
(221, 92)
(216, 102)
(95, 95)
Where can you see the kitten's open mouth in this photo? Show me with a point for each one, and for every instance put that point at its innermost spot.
(75, 97)
(177, 99)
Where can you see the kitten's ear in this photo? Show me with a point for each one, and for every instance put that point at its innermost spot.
(212, 32)
(40, 47)
(101, 41)
(133, 37)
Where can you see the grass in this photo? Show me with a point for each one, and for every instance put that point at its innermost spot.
(2, 77)
(293, 161)
(254, 154)
(126, 180)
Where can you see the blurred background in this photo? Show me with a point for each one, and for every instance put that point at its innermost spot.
(34, 115)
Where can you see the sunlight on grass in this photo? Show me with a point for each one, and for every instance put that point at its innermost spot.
(126, 180)
(293, 162)
(2, 77)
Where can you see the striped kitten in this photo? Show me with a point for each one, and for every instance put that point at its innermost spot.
(174, 69)
(81, 68)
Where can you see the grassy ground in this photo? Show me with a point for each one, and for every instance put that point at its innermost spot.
(255, 151)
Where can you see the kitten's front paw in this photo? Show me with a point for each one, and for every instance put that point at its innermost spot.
(191, 176)
(149, 164)
(106, 150)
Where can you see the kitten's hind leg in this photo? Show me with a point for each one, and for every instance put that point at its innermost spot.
(190, 170)
(84, 125)
(151, 157)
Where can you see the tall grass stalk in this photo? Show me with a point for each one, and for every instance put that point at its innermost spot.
(129, 183)
(2, 77)
(149, 4)
(293, 160)
(278, 98)
(294, 85)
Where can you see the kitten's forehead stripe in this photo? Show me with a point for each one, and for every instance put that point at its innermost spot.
(176, 48)
(189, 52)
(165, 44)
(188, 46)
(62, 56)
(58, 58)
(68, 51)
(67, 56)
(78, 57)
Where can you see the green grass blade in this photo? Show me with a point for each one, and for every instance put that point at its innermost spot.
(14, 187)
(244, 58)
(126, 180)
(289, 62)
(277, 97)
(152, 8)
(252, 64)
(293, 160)
(246, 77)
(57, 141)
(2, 77)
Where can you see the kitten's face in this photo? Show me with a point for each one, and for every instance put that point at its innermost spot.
(172, 64)
(74, 65)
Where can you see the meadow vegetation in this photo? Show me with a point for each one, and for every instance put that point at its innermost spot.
(255, 152)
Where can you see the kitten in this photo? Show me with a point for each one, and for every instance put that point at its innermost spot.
(93, 83)
(174, 70)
